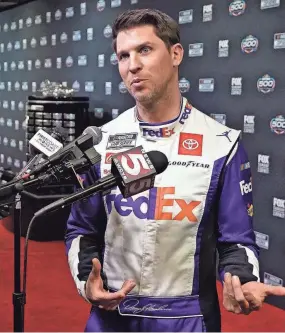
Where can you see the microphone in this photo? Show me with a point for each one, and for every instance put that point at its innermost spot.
(133, 171)
(6, 175)
(135, 168)
(36, 146)
(81, 147)
(78, 155)
(67, 170)
(42, 144)
(45, 143)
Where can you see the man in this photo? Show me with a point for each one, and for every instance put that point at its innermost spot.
(148, 262)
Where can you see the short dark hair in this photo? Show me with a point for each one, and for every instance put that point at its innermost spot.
(166, 28)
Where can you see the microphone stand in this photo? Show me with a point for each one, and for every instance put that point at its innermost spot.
(19, 297)
(14, 189)
(19, 294)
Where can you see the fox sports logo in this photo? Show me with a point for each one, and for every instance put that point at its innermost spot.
(249, 44)
(266, 84)
(277, 124)
(237, 8)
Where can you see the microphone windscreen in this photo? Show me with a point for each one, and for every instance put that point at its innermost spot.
(95, 132)
(159, 160)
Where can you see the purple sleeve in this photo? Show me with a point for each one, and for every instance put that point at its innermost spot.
(84, 238)
(238, 252)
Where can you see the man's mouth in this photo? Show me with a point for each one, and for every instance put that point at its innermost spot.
(136, 81)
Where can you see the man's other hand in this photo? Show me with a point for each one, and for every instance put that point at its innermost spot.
(248, 297)
(100, 297)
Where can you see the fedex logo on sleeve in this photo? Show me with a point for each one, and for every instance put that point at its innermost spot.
(245, 188)
(160, 205)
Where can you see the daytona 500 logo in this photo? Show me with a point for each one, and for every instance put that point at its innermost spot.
(249, 44)
(277, 124)
(266, 84)
(237, 8)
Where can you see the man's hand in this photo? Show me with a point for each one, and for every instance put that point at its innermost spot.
(97, 295)
(246, 298)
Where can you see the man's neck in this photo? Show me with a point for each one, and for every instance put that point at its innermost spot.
(162, 110)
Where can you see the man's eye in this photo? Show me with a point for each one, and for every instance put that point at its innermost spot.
(145, 49)
(123, 56)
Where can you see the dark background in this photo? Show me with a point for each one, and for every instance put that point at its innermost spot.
(262, 24)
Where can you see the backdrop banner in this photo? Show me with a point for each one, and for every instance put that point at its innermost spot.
(233, 70)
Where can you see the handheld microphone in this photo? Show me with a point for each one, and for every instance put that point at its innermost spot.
(41, 145)
(44, 143)
(66, 170)
(136, 170)
(133, 171)
(74, 158)
(43, 139)
(83, 146)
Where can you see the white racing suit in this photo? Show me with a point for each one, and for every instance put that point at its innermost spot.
(167, 238)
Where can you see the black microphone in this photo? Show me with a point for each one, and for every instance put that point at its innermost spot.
(66, 170)
(131, 178)
(6, 175)
(81, 147)
(77, 156)
(58, 133)
(43, 144)
(74, 158)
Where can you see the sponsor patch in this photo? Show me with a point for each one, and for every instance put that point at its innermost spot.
(190, 144)
(124, 140)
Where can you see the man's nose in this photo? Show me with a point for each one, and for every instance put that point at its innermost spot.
(135, 64)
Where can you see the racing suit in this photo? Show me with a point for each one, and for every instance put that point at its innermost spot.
(166, 239)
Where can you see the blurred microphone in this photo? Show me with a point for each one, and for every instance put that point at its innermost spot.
(66, 170)
(43, 145)
(37, 144)
(76, 157)
(6, 175)
(133, 171)
(81, 147)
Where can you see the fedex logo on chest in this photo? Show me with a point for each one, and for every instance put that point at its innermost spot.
(165, 132)
(159, 203)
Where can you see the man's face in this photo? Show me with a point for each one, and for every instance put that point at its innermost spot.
(145, 64)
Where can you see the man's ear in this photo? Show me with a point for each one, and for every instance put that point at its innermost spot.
(177, 54)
